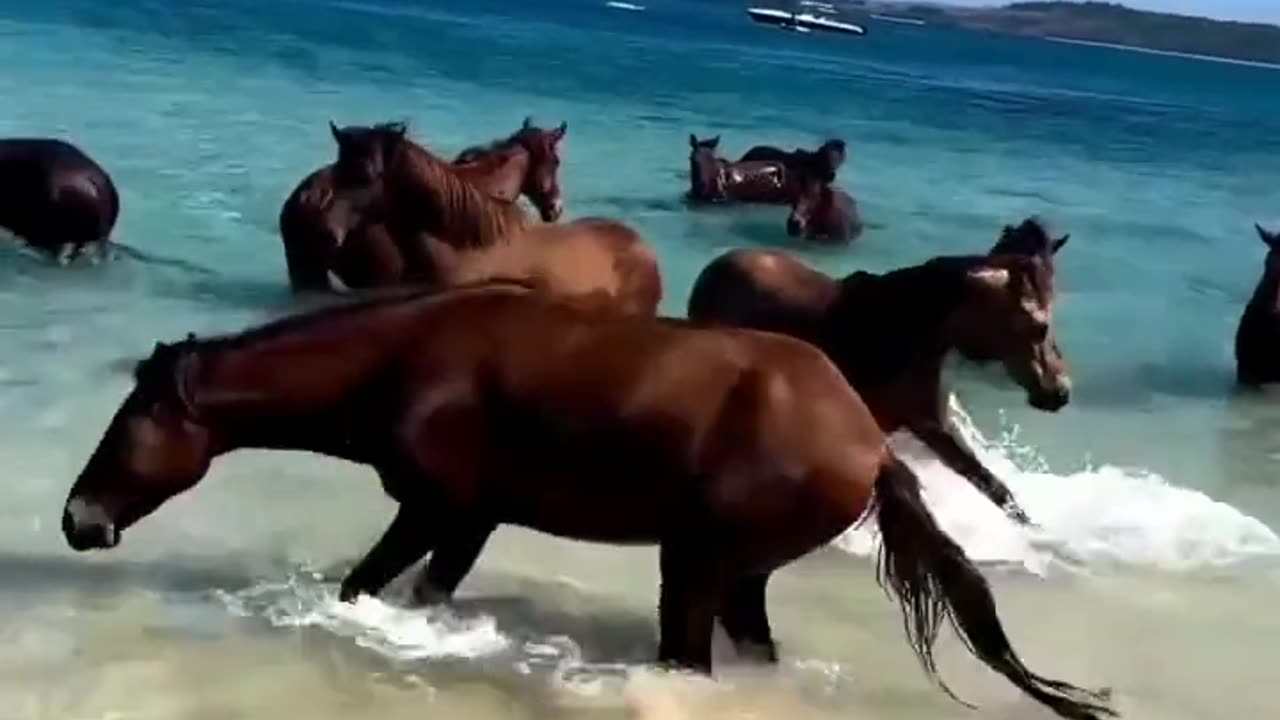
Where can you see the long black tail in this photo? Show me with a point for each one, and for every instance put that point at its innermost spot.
(933, 580)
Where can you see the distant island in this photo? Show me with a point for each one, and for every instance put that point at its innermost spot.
(1097, 22)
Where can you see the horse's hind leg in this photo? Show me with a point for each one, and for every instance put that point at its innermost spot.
(409, 537)
(746, 621)
(451, 561)
(689, 601)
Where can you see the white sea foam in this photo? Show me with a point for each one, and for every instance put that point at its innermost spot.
(1103, 514)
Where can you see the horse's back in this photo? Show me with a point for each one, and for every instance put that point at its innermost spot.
(53, 192)
(762, 289)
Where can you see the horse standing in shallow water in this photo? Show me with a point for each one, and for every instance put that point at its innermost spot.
(834, 150)
(444, 232)
(712, 179)
(736, 452)
(55, 197)
(322, 212)
(889, 334)
(1257, 345)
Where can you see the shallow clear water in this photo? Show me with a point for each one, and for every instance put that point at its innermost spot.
(1154, 573)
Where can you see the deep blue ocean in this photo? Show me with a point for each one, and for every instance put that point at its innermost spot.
(1159, 478)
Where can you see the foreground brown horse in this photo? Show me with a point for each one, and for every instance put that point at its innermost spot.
(889, 334)
(735, 452)
(322, 211)
(55, 197)
(713, 179)
(443, 231)
(1257, 344)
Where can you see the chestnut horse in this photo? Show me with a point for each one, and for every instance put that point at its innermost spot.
(1258, 334)
(735, 452)
(890, 333)
(320, 213)
(712, 179)
(55, 198)
(443, 231)
(823, 212)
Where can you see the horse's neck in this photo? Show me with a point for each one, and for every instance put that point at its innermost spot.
(300, 391)
(501, 175)
(1266, 296)
(891, 325)
(448, 207)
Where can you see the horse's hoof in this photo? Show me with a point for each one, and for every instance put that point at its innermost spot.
(349, 593)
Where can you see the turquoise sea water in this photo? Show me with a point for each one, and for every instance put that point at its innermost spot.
(1156, 487)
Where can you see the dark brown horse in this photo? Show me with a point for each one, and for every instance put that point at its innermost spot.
(734, 452)
(889, 334)
(323, 210)
(834, 150)
(1258, 334)
(823, 212)
(713, 179)
(55, 197)
(444, 231)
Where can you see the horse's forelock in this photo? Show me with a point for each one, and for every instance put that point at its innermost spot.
(168, 371)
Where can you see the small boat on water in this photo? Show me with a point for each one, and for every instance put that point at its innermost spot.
(802, 21)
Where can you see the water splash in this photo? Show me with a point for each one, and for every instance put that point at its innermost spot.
(1102, 514)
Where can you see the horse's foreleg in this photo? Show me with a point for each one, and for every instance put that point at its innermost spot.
(409, 537)
(746, 621)
(687, 607)
(961, 459)
(451, 561)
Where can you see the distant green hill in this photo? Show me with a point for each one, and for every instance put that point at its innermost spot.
(1104, 22)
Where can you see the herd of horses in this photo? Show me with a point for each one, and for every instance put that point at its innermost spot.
(494, 368)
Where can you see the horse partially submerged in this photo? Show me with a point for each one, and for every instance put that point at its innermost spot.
(713, 179)
(889, 334)
(824, 212)
(329, 204)
(1257, 345)
(735, 452)
(55, 197)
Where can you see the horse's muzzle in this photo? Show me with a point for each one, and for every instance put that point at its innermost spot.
(87, 527)
(1050, 400)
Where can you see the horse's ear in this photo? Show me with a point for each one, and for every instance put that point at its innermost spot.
(1271, 239)
(338, 134)
(1057, 244)
(990, 277)
(560, 131)
(693, 140)
(528, 122)
(714, 142)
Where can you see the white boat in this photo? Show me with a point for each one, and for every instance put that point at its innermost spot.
(802, 21)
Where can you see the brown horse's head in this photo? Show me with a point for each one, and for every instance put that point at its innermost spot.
(833, 151)
(1007, 316)
(363, 151)
(810, 178)
(542, 181)
(154, 448)
(706, 179)
(1030, 237)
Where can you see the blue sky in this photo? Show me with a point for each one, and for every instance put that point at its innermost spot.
(1264, 10)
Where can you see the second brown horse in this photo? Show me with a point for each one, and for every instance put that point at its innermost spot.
(323, 210)
(735, 452)
(439, 230)
(890, 333)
